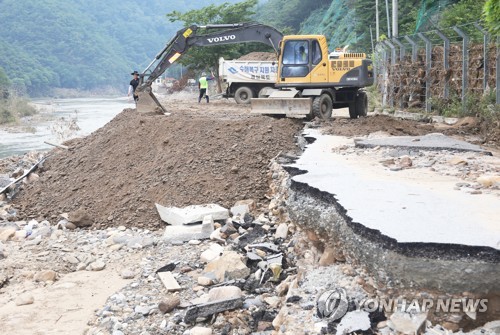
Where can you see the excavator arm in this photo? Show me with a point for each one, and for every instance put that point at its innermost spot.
(189, 37)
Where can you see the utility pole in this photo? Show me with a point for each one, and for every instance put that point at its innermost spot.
(377, 20)
(388, 19)
(395, 28)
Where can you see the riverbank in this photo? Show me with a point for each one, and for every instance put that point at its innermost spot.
(58, 120)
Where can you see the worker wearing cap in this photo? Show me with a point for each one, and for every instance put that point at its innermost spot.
(133, 85)
(203, 86)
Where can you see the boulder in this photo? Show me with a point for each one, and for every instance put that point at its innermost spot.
(7, 233)
(282, 231)
(228, 267)
(25, 299)
(224, 293)
(44, 276)
(212, 253)
(97, 266)
(240, 210)
(488, 181)
(406, 323)
(80, 218)
(328, 257)
(169, 304)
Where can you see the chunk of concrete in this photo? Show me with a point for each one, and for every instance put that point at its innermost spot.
(282, 231)
(184, 233)
(406, 323)
(224, 293)
(240, 210)
(249, 202)
(168, 280)
(191, 214)
(228, 267)
(353, 322)
(212, 253)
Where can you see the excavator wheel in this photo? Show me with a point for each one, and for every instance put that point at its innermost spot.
(322, 106)
(243, 95)
(359, 108)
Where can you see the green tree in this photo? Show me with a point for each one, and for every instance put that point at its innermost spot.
(463, 12)
(202, 58)
(491, 15)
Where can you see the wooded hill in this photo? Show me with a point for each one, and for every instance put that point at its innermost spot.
(82, 44)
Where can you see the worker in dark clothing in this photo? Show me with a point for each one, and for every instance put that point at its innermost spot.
(133, 86)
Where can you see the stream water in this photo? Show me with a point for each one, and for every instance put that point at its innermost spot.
(89, 114)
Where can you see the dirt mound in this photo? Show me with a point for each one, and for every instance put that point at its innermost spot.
(366, 126)
(262, 56)
(120, 171)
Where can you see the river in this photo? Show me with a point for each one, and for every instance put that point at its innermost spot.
(89, 113)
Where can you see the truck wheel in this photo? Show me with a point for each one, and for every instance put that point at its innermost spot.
(243, 95)
(359, 108)
(322, 106)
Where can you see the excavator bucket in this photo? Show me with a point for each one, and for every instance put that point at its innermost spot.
(148, 103)
(289, 107)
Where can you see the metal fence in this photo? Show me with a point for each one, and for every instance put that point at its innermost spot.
(418, 70)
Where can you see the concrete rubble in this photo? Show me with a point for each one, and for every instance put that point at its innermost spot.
(191, 214)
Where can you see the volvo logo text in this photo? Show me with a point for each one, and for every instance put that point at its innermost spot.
(221, 39)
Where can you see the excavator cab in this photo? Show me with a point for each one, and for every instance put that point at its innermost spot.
(303, 61)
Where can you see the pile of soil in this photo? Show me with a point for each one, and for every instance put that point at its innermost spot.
(261, 56)
(119, 172)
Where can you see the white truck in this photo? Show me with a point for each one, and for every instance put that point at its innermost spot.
(245, 79)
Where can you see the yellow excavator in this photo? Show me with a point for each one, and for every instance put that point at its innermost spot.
(311, 80)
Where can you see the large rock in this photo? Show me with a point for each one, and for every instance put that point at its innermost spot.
(7, 233)
(282, 231)
(80, 218)
(191, 214)
(224, 293)
(488, 181)
(212, 253)
(200, 331)
(46, 275)
(25, 299)
(169, 304)
(328, 257)
(228, 267)
(240, 210)
(406, 323)
(97, 266)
